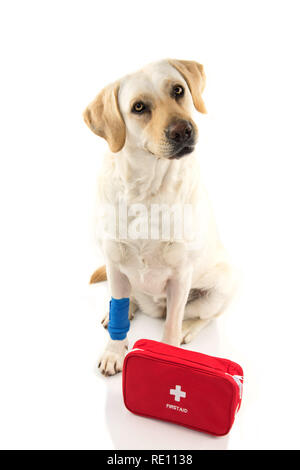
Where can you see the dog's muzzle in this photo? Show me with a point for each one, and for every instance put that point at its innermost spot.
(181, 136)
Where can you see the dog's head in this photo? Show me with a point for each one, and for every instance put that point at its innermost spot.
(151, 109)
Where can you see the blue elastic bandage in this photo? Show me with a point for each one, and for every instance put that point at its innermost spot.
(118, 324)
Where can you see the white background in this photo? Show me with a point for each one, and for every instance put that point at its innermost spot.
(55, 56)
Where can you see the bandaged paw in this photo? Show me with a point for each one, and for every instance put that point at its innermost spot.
(118, 324)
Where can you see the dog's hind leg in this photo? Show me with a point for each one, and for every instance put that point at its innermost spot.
(215, 291)
(190, 328)
(207, 302)
(200, 309)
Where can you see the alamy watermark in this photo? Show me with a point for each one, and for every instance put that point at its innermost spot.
(138, 221)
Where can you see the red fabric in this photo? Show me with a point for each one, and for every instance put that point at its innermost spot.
(184, 387)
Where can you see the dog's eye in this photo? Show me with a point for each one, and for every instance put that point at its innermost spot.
(139, 107)
(178, 90)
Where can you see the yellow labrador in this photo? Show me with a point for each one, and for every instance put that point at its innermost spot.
(178, 269)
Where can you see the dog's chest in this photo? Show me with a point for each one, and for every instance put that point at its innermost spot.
(149, 265)
(146, 213)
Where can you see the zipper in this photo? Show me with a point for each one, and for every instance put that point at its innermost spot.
(211, 370)
(207, 372)
(187, 360)
(238, 379)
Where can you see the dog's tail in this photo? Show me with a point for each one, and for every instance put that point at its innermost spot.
(99, 275)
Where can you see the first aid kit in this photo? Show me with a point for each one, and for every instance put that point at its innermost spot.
(184, 387)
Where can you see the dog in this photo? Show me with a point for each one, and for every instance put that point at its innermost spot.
(147, 121)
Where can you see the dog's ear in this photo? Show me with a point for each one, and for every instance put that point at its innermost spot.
(194, 75)
(104, 118)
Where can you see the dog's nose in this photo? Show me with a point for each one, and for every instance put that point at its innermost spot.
(180, 131)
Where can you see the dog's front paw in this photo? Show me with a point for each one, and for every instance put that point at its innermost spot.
(111, 361)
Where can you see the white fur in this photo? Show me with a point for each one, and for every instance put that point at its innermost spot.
(158, 275)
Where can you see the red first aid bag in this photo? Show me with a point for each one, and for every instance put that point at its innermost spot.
(184, 387)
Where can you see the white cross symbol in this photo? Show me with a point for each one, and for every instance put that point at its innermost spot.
(177, 392)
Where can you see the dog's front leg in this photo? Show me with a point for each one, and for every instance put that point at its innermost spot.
(177, 295)
(111, 361)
